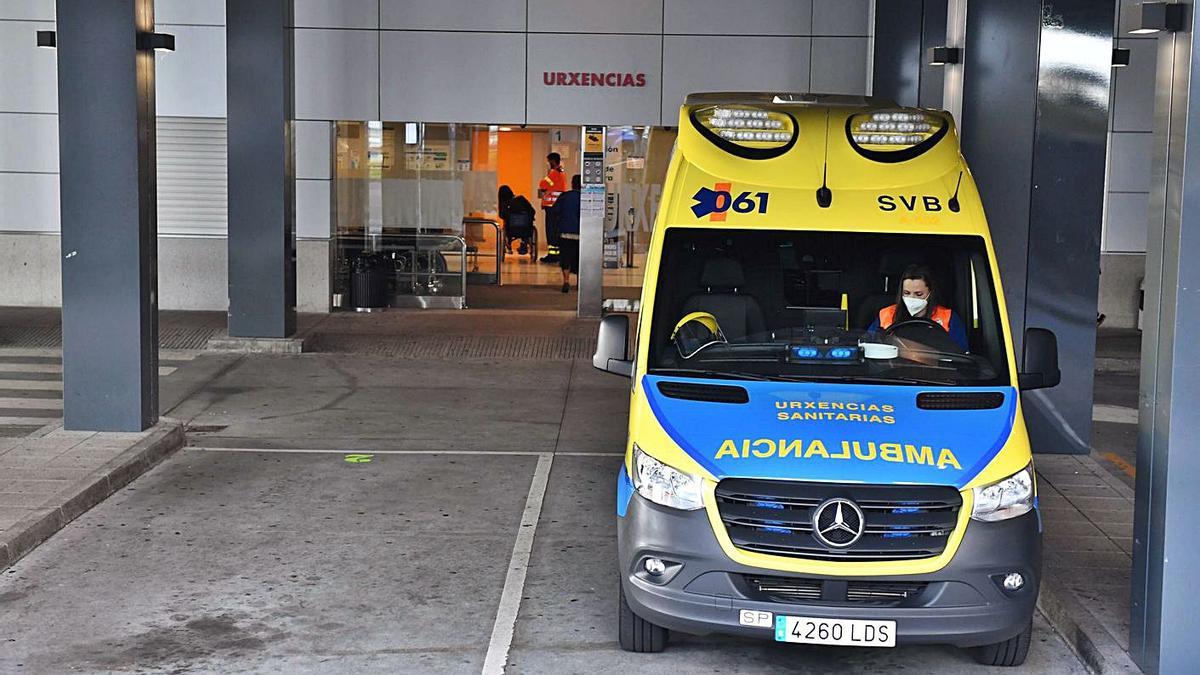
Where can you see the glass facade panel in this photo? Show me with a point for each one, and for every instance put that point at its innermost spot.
(417, 202)
(636, 160)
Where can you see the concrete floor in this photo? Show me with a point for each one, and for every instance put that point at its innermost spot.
(262, 549)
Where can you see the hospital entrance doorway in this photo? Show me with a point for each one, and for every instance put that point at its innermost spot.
(418, 218)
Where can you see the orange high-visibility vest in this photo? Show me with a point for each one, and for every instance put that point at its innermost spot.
(554, 184)
(940, 316)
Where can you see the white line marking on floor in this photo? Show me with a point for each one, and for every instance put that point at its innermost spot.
(518, 566)
(47, 385)
(24, 421)
(344, 451)
(14, 370)
(31, 403)
(1115, 413)
(27, 351)
(163, 354)
(11, 368)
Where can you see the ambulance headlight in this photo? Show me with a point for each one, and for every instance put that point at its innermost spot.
(747, 131)
(1006, 498)
(883, 135)
(665, 485)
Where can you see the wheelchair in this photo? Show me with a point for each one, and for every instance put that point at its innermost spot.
(526, 232)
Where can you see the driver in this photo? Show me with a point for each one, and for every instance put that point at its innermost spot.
(917, 299)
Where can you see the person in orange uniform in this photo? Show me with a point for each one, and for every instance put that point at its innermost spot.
(917, 299)
(549, 188)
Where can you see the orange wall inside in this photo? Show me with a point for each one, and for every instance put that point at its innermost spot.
(513, 161)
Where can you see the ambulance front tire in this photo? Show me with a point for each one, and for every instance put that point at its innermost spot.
(1011, 652)
(637, 634)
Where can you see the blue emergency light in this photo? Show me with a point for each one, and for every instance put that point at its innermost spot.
(824, 353)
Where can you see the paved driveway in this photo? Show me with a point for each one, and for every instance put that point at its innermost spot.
(345, 513)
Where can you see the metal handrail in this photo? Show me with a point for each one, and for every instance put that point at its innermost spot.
(431, 301)
(419, 245)
(483, 277)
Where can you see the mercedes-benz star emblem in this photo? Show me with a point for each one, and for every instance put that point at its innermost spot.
(838, 523)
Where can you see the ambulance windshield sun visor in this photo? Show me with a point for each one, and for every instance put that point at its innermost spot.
(747, 131)
(895, 135)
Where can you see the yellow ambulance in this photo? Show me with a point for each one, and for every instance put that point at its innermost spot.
(826, 443)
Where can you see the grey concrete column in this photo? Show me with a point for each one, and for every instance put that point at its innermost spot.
(109, 225)
(262, 185)
(1035, 101)
(1166, 554)
(591, 222)
(904, 32)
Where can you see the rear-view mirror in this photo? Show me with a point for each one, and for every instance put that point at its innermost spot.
(1039, 368)
(612, 346)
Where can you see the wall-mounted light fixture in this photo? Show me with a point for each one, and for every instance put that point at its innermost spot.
(945, 55)
(941, 56)
(47, 38)
(1152, 17)
(1120, 57)
(160, 42)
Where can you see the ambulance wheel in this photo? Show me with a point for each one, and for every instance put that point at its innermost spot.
(1011, 652)
(637, 634)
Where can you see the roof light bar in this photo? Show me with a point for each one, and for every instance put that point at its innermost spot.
(882, 134)
(747, 131)
(747, 125)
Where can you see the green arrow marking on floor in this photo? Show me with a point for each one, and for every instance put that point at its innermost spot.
(359, 459)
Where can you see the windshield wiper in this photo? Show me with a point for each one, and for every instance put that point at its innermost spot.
(699, 372)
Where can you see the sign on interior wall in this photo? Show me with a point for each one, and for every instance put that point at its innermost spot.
(431, 157)
(612, 230)
(613, 176)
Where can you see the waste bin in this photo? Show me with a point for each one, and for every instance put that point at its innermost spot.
(369, 281)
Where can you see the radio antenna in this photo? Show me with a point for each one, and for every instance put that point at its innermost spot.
(953, 203)
(824, 194)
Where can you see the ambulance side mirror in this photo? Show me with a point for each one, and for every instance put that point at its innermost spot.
(1039, 369)
(612, 346)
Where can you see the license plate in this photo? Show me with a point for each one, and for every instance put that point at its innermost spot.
(843, 632)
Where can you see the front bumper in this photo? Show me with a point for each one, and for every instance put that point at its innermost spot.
(704, 591)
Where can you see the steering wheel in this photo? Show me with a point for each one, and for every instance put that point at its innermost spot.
(913, 322)
(926, 332)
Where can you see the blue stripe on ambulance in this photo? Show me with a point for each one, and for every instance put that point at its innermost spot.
(835, 432)
(624, 491)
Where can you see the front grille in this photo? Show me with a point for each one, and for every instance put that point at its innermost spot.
(900, 522)
(784, 589)
(833, 591)
(883, 592)
(712, 393)
(954, 400)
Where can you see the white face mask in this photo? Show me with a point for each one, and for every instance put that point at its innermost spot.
(915, 305)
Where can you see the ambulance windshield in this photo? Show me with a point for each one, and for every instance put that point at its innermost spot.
(827, 306)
